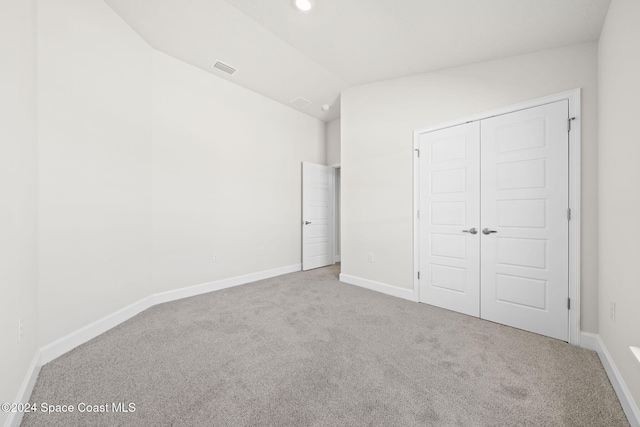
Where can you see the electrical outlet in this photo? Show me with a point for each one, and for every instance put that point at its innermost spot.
(215, 257)
(612, 313)
(260, 251)
(370, 257)
(20, 330)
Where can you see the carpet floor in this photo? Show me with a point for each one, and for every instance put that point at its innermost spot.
(304, 349)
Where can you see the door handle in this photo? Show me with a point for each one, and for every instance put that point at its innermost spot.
(471, 230)
(487, 231)
(307, 222)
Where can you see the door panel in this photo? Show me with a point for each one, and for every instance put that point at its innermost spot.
(317, 211)
(449, 204)
(525, 182)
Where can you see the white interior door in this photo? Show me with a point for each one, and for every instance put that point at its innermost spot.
(450, 218)
(525, 256)
(317, 214)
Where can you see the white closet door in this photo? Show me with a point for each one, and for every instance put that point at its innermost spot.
(449, 205)
(524, 163)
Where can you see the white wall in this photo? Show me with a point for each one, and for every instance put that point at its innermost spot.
(148, 167)
(377, 153)
(18, 141)
(333, 159)
(619, 154)
(226, 177)
(333, 142)
(94, 165)
(226, 171)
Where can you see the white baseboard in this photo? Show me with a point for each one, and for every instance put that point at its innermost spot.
(15, 418)
(59, 347)
(222, 284)
(379, 287)
(589, 341)
(336, 258)
(628, 405)
(68, 342)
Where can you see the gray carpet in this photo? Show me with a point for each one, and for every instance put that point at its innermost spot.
(306, 350)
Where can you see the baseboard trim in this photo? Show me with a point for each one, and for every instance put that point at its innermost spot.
(628, 405)
(15, 418)
(222, 284)
(589, 341)
(67, 343)
(379, 287)
(336, 258)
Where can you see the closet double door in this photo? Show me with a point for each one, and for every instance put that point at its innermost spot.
(494, 219)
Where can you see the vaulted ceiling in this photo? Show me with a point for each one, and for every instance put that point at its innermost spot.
(284, 53)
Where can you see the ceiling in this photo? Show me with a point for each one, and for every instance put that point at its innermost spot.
(283, 53)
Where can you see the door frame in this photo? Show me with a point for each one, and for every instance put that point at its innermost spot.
(573, 96)
(337, 186)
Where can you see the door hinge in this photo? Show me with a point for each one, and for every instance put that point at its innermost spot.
(569, 120)
(569, 214)
(569, 303)
(418, 213)
(418, 275)
(417, 151)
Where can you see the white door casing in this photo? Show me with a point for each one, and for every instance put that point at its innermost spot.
(524, 157)
(317, 214)
(450, 212)
(336, 212)
(525, 196)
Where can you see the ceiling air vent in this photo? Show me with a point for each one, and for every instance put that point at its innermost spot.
(300, 102)
(224, 67)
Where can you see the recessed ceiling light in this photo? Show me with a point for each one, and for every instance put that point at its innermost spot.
(326, 107)
(304, 5)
